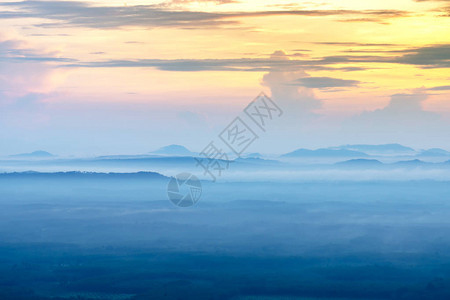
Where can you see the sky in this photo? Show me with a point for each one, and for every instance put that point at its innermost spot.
(127, 77)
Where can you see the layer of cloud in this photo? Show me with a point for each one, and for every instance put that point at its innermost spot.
(184, 2)
(77, 13)
(356, 44)
(434, 56)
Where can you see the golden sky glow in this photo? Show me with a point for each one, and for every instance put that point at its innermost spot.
(246, 37)
(351, 56)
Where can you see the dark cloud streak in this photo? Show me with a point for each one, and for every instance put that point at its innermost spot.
(436, 56)
(325, 82)
(440, 88)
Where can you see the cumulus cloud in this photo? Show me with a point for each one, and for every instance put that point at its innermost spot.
(296, 100)
(403, 120)
(404, 112)
(26, 70)
(300, 121)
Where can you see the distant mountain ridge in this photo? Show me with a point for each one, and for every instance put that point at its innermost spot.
(365, 150)
(367, 164)
(84, 175)
(412, 163)
(434, 152)
(378, 149)
(174, 150)
(323, 152)
(360, 163)
(253, 155)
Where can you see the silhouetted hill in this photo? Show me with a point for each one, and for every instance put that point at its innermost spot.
(174, 150)
(35, 154)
